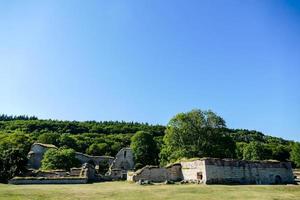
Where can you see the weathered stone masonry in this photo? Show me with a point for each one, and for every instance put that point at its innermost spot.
(157, 174)
(220, 171)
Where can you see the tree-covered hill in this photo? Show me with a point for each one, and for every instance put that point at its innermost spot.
(34, 125)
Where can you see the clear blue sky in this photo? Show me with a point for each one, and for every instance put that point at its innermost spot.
(146, 61)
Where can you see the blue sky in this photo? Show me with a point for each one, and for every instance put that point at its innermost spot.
(146, 61)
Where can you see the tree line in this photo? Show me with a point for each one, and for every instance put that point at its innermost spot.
(192, 134)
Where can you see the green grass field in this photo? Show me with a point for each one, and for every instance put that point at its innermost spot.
(125, 190)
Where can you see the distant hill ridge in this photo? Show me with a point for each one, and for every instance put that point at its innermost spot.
(31, 124)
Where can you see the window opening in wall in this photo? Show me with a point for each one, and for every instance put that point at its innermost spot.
(124, 154)
(199, 176)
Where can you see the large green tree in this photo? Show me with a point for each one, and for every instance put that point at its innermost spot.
(196, 134)
(13, 154)
(12, 163)
(144, 149)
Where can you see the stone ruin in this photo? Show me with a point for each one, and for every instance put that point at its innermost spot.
(37, 151)
(36, 154)
(123, 162)
(81, 175)
(205, 170)
(218, 171)
(157, 174)
(89, 172)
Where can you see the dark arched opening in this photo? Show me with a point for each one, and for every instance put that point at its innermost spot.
(278, 179)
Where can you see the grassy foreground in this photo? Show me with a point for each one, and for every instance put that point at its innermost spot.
(125, 190)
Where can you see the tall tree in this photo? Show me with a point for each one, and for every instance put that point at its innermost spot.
(196, 134)
(144, 149)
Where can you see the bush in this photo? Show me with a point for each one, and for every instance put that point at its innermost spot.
(59, 159)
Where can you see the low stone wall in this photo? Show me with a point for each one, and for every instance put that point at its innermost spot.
(156, 174)
(151, 173)
(39, 180)
(175, 172)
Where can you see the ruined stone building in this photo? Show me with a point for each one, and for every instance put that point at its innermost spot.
(122, 163)
(37, 151)
(94, 160)
(89, 172)
(220, 171)
(36, 154)
(157, 174)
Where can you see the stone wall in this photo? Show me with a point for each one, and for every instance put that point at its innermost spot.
(151, 173)
(228, 171)
(36, 154)
(94, 160)
(122, 163)
(75, 171)
(86, 173)
(220, 171)
(156, 174)
(38, 180)
(193, 170)
(175, 172)
(37, 151)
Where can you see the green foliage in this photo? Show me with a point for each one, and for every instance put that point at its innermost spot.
(61, 158)
(295, 153)
(196, 134)
(12, 163)
(20, 117)
(279, 152)
(247, 136)
(144, 148)
(98, 149)
(49, 138)
(239, 152)
(74, 127)
(66, 140)
(13, 154)
(252, 151)
(256, 151)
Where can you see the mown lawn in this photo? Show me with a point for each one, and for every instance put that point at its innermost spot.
(125, 190)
